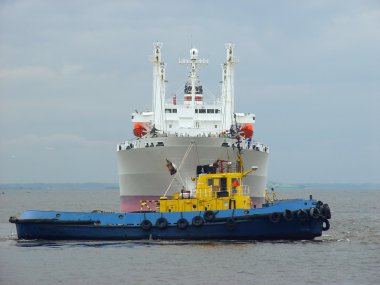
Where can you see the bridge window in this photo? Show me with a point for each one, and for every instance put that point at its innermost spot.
(168, 110)
(174, 110)
(196, 111)
(210, 111)
(217, 111)
(203, 111)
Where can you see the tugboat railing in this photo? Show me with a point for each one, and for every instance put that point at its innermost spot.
(205, 193)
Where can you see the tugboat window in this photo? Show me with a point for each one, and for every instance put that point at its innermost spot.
(223, 184)
(174, 110)
(196, 111)
(210, 111)
(168, 110)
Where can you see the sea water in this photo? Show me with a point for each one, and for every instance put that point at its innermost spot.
(349, 253)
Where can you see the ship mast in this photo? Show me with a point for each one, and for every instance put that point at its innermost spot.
(193, 65)
(158, 87)
(228, 90)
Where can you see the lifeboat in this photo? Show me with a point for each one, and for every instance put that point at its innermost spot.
(247, 131)
(139, 130)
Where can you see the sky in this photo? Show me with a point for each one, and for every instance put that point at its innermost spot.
(71, 73)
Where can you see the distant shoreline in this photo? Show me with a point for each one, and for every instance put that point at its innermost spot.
(115, 186)
(59, 186)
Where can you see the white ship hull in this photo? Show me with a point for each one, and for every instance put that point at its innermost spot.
(187, 132)
(143, 174)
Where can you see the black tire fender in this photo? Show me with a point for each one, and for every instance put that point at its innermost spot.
(161, 223)
(182, 223)
(325, 211)
(274, 217)
(230, 224)
(314, 213)
(197, 221)
(209, 216)
(288, 215)
(302, 215)
(325, 225)
(146, 225)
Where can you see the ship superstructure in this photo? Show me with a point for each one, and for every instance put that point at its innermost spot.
(186, 131)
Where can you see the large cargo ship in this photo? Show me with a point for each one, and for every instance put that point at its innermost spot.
(181, 133)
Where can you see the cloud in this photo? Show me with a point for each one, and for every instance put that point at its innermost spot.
(71, 69)
(44, 72)
(52, 141)
(26, 72)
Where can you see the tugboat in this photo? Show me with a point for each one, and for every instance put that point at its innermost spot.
(219, 208)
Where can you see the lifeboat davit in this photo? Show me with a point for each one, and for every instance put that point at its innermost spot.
(139, 130)
(247, 131)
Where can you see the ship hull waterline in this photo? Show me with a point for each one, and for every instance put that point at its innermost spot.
(255, 224)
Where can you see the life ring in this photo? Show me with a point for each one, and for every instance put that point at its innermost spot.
(275, 217)
(325, 225)
(197, 221)
(314, 213)
(302, 215)
(146, 225)
(230, 224)
(288, 215)
(209, 216)
(161, 223)
(182, 224)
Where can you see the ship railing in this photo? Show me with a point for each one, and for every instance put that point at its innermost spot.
(216, 192)
(206, 102)
(244, 144)
(258, 146)
(128, 145)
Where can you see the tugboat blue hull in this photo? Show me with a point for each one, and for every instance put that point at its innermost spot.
(244, 230)
(267, 223)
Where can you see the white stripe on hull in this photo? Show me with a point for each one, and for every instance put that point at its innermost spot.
(143, 171)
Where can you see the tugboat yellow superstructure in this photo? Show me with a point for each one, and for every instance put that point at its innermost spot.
(218, 187)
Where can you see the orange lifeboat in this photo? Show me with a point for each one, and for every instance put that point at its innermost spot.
(247, 131)
(139, 130)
